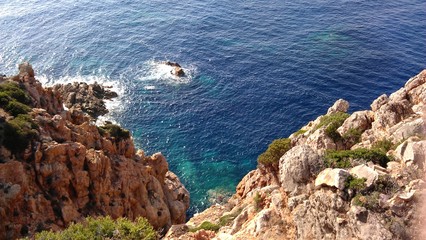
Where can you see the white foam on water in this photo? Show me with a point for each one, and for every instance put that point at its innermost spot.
(149, 87)
(158, 71)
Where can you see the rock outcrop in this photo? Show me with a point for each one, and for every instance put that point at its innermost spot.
(347, 176)
(73, 168)
(88, 98)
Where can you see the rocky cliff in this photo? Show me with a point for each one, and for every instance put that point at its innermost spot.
(57, 166)
(342, 176)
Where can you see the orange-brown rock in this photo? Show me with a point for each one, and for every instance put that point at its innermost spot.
(71, 171)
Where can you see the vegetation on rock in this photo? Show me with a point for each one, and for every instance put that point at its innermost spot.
(347, 158)
(352, 136)
(227, 218)
(19, 131)
(332, 122)
(103, 228)
(13, 99)
(355, 183)
(115, 131)
(274, 152)
(206, 226)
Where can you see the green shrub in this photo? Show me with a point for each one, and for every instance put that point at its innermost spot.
(386, 185)
(103, 228)
(385, 145)
(352, 136)
(15, 108)
(257, 200)
(115, 131)
(13, 90)
(344, 158)
(299, 132)
(19, 132)
(332, 122)
(226, 219)
(274, 152)
(370, 201)
(355, 183)
(206, 226)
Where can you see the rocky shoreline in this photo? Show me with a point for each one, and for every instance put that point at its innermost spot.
(342, 176)
(69, 168)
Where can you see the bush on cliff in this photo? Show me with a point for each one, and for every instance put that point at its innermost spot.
(348, 158)
(114, 131)
(13, 99)
(19, 132)
(332, 122)
(274, 152)
(13, 90)
(103, 228)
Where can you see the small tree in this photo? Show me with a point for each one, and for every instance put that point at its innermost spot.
(274, 152)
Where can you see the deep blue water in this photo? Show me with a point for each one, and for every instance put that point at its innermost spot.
(257, 70)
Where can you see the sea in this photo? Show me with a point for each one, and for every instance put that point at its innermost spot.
(255, 70)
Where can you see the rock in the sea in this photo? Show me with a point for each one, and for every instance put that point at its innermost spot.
(332, 177)
(89, 98)
(340, 105)
(178, 71)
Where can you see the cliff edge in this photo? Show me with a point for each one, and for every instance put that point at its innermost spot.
(57, 166)
(342, 176)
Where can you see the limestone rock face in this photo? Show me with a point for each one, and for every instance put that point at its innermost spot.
(71, 171)
(340, 105)
(332, 177)
(297, 166)
(363, 171)
(360, 121)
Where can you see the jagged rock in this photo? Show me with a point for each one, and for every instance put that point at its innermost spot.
(391, 113)
(254, 180)
(71, 171)
(320, 141)
(332, 177)
(410, 151)
(363, 171)
(340, 105)
(176, 231)
(414, 126)
(297, 166)
(379, 102)
(87, 97)
(177, 197)
(360, 120)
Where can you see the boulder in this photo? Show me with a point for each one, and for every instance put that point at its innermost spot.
(360, 120)
(298, 166)
(332, 177)
(414, 126)
(410, 151)
(363, 171)
(379, 102)
(319, 140)
(340, 105)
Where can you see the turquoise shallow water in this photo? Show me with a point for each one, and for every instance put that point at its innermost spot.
(256, 70)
